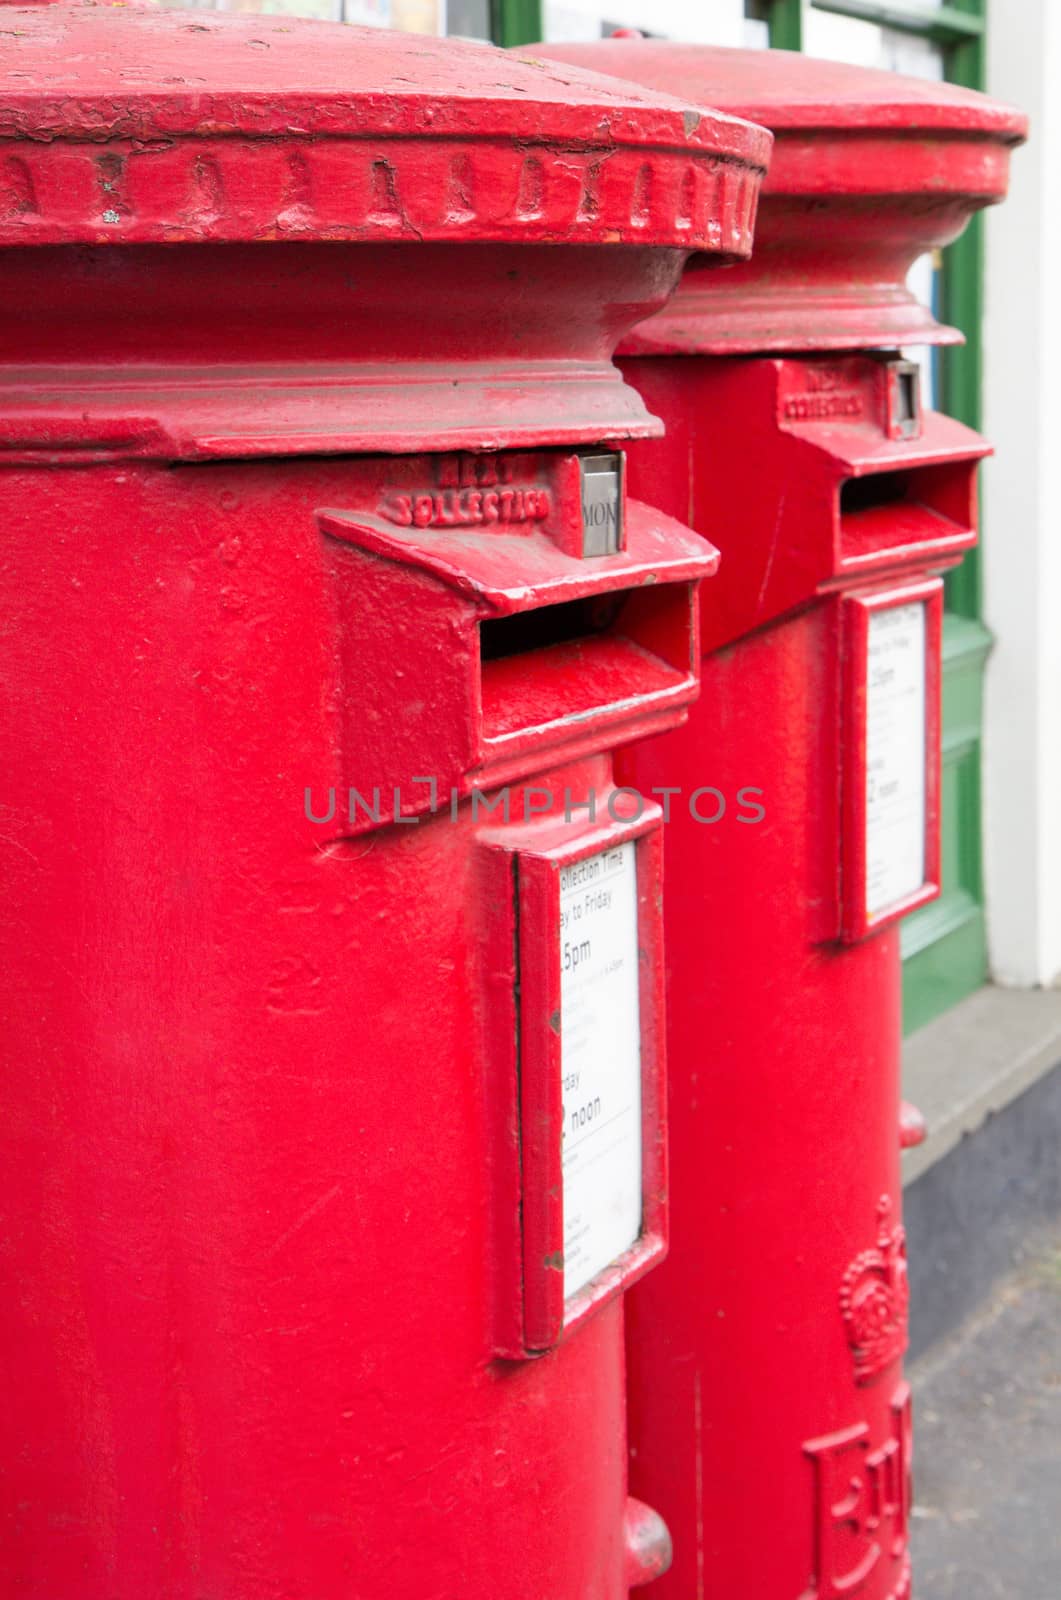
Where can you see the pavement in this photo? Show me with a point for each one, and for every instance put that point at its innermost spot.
(987, 1429)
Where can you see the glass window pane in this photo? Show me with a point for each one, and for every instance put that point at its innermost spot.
(322, 10)
(865, 44)
(843, 39)
(468, 19)
(411, 16)
(720, 22)
(367, 13)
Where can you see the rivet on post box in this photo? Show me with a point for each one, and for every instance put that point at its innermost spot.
(765, 1355)
(324, 603)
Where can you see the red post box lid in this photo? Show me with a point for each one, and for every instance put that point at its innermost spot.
(273, 146)
(436, 138)
(869, 170)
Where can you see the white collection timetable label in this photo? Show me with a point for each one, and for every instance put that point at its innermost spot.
(895, 755)
(600, 1062)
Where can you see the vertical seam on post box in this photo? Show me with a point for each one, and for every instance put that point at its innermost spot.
(517, 1008)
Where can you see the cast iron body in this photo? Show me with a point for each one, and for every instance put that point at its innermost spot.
(769, 1416)
(303, 327)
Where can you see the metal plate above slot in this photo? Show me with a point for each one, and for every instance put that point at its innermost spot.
(904, 400)
(602, 503)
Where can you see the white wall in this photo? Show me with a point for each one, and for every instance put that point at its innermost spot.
(1022, 540)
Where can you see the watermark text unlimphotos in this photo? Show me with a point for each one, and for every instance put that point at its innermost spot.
(706, 805)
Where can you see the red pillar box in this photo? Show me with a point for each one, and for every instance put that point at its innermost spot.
(331, 1014)
(770, 1420)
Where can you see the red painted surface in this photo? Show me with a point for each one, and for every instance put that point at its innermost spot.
(770, 1423)
(263, 1120)
(784, 1050)
(229, 133)
(869, 170)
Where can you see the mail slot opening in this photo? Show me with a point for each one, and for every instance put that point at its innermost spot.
(594, 654)
(883, 513)
(877, 489)
(548, 625)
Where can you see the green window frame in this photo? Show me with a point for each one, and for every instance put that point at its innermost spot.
(944, 945)
(516, 21)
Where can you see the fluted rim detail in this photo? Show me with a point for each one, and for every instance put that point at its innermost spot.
(273, 129)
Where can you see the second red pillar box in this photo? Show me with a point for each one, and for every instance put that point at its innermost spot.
(770, 1417)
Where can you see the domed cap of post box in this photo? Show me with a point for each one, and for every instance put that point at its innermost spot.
(869, 170)
(260, 150)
